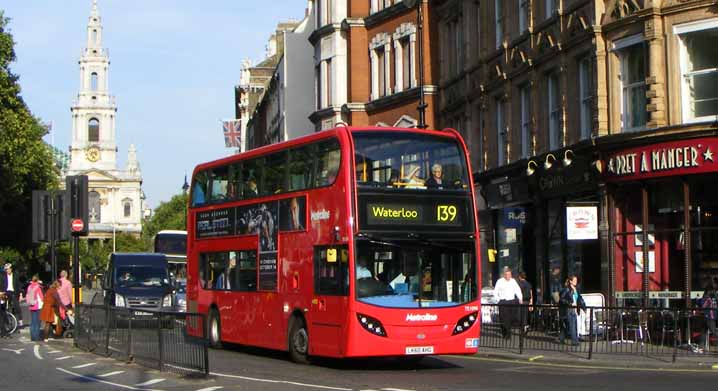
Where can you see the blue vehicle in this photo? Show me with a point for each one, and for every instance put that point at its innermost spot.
(139, 281)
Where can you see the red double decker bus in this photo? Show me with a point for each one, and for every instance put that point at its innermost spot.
(351, 242)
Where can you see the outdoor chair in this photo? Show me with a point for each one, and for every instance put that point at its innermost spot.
(667, 324)
(637, 323)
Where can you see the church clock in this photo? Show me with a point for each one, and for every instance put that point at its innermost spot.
(93, 154)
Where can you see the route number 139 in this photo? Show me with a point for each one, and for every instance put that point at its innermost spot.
(446, 213)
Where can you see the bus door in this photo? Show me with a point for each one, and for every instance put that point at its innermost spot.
(330, 299)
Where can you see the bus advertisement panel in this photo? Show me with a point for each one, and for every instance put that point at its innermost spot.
(345, 243)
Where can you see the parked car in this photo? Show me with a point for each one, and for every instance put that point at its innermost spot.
(138, 281)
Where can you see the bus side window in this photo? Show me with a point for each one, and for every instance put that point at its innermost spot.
(328, 160)
(300, 168)
(274, 173)
(247, 276)
(199, 189)
(219, 184)
(330, 270)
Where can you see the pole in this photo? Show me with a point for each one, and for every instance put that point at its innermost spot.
(114, 216)
(53, 232)
(76, 267)
(687, 246)
(420, 30)
(646, 248)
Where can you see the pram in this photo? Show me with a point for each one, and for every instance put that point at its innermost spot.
(67, 321)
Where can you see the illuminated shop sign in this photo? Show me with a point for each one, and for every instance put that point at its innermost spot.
(665, 159)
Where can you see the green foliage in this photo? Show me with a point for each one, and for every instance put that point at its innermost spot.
(169, 215)
(128, 243)
(27, 162)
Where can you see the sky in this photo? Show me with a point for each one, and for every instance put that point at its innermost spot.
(173, 68)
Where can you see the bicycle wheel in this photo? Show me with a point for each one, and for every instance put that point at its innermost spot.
(10, 323)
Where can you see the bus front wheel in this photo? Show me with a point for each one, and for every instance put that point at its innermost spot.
(299, 342)
(214, 330)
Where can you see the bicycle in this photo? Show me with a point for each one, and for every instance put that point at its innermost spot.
(10, 319)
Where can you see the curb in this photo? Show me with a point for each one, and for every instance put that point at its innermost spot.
(644, 364)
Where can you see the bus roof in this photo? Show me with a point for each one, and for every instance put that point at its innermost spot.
(172, 231)
(448, 132)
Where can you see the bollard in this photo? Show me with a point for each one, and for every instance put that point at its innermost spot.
(590, 333)
(159, 336)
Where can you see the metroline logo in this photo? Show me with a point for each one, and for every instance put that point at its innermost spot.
(403, 213)
(421, 318)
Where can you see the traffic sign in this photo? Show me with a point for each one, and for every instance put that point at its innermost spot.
(77, 225)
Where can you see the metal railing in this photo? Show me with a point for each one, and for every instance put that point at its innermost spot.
(601, 330)
(167, 341)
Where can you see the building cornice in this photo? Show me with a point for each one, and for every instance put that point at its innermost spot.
(352, 22)
(324, 113)
(323, 31)
(386, 14)
(399, 97)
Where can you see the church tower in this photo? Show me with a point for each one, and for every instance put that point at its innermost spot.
(94, 110)
(115, 199)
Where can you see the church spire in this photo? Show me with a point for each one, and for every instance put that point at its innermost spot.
(94, 28)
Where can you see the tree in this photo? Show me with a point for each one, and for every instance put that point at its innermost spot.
(26, 162)
(169, 215)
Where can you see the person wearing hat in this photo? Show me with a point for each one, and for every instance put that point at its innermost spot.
(10, 286)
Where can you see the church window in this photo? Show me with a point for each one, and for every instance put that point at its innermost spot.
(94, 35)
(94, 207)
(127, 207)
(93, 130)
(93, 81)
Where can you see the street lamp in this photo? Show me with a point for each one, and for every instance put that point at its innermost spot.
(418, 4)
(185, 187)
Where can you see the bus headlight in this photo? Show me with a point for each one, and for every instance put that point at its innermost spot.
(119, 300)
(371, 325)
(465, 323)
(167, 301)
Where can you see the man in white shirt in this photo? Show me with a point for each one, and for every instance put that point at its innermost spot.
(507, 291)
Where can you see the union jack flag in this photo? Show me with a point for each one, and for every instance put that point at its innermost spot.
(232, 133)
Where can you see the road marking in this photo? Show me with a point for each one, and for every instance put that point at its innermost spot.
(597, 367)
(63, 358)
(54, 352)
(103, 381)
(210, 389)
(280, 382)
(149, 382)
(108, 374)
(395, 389)
(14, 351)
(36, 350)
(535, 358)
(84, 365)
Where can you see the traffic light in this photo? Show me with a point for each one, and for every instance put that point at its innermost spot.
(40, 208)
(77, 201)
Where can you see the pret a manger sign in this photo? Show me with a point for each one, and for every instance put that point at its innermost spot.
(665, 159)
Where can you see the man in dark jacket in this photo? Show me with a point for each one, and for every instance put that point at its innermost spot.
(570, 303)
(10, 285)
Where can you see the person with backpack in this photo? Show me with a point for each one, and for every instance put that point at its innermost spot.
(34, 299)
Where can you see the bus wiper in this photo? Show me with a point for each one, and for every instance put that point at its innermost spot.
(374, 240)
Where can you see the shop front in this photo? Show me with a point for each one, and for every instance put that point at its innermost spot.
(664, 220)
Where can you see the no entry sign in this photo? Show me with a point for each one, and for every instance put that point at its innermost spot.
(77, 225)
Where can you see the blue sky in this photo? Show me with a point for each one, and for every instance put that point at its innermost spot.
(173, 67)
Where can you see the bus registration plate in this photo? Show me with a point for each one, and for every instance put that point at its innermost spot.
(420, 350)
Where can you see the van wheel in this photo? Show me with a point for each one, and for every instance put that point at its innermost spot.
(299, 342)
(214, 330)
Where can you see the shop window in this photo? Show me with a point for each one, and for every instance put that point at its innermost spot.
(699, 71)
(500, 134)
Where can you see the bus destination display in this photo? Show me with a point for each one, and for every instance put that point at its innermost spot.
(443, 214)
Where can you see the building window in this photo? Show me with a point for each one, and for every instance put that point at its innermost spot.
(699, 70)
(523, 15)
(585, 95)
(94, 35)
(525, 96)
(127, 207)
(500, 133)
(631, 52)
(550, 8)
(93, 207)
(328, 82)
(405, 57)
(379, 53)
(93, 130)
(378, 5)
(93, 81)
(318, 85)
(324, 12)
(554, 111)
(499, 17)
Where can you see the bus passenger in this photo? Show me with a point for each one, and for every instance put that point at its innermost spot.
(435, 180)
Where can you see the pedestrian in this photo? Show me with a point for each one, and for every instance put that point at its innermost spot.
(710, 307)
(65, 290)
(570, 303)
(508, 294)
(528, 295)
(50, 313)
(10, 285)
(34, 299)
(3, 316)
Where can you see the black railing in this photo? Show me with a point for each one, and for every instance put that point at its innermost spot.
(601, 330)
(167, 341)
